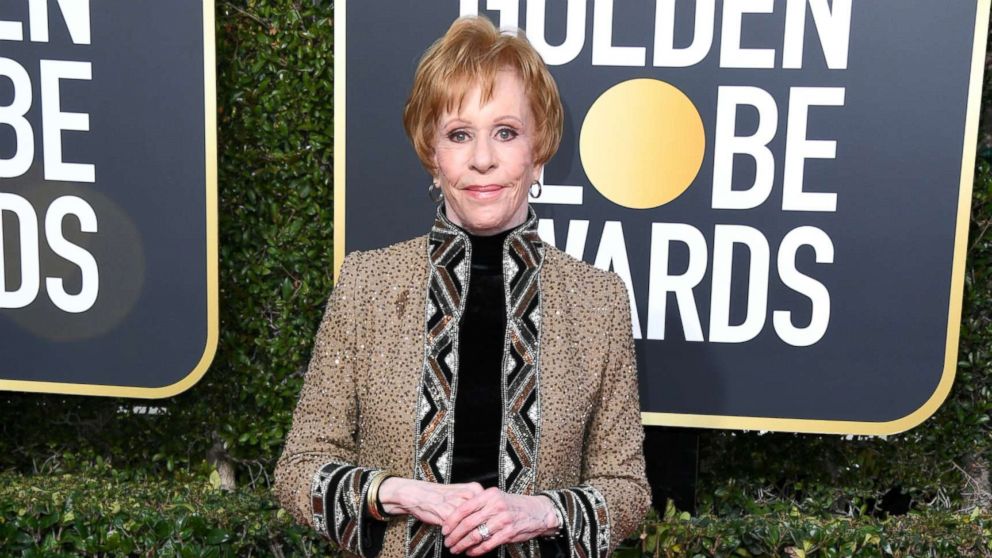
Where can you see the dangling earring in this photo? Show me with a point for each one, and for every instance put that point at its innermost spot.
(435, 193)
(539, 188)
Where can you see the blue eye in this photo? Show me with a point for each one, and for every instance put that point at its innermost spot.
(458, 136)
(506, 133)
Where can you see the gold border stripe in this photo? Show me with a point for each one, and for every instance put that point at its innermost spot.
(339, 130)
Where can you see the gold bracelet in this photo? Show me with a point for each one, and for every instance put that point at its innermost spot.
(372, 494)
(372, 497)
(377, 501)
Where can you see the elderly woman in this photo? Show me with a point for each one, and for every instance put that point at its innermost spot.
(472, 390)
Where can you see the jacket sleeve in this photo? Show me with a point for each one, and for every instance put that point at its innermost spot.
(613, 496)
(315, 478)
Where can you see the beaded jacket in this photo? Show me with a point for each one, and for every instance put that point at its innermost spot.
(380, 389)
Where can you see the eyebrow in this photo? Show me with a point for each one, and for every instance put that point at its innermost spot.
(509, 117)
(451, 121)
(457, 120)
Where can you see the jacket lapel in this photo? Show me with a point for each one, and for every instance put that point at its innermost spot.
(522, 260)
(449, 252)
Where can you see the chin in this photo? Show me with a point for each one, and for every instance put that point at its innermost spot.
(485, 226)
(486, 218)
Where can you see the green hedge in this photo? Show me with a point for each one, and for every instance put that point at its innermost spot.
(275, 119)
(770, 532)
(106, 513)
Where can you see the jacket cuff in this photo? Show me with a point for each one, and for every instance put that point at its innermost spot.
(587, 522)
(337, 497)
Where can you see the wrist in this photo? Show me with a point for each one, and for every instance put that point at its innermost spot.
(373, 503)
(393, 495)
(552, 518)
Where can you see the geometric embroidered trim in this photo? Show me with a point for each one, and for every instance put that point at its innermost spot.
(523, 254)
(587, 521)
(449, 254)
(337, 498)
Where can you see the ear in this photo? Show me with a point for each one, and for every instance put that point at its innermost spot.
(435, 170)
(538, 171)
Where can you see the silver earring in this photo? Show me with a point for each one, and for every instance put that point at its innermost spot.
(435, 193)
(539, 188)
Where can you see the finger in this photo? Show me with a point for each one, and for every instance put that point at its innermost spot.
(467, 528)
(493, 503)
(436, 511)
(463, 492)
(494, 523)
(505, 533)
(471, 539)
(486, 546)
(464, 509)
(472, 488)
(433, 516)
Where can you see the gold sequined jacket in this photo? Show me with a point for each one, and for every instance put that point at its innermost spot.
(380, 389)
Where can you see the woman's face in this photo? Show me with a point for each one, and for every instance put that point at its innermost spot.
(484, 158)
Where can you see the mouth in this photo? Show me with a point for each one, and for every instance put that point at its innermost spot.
(483, 191)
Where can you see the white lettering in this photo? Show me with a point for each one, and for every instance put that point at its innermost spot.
(613, 253)
(798, 149)
(803, 284)
(28, 233)
(575, 32)
(84, 300)
(727, 144)
(13, 115)
(76, 14)
(665, 53)
(724, 238)
(11, 31)
(663, 282)
(575, 242)
(54, 121)
(832, 24)
(604, 53)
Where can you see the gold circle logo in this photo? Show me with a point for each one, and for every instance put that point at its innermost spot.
(642, 143)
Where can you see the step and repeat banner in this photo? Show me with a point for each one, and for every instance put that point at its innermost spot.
(784, 185)
(108, 243)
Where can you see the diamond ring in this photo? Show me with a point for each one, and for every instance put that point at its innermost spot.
(484, 531)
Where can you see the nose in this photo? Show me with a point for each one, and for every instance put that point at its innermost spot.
(483, 156)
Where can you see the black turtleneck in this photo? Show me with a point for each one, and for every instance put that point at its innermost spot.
(478, 401)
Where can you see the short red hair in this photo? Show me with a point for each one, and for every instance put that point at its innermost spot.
(472, 52)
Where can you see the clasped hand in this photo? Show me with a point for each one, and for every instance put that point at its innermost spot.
(461, 508)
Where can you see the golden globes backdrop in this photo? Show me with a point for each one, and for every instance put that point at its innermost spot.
(784, 185)
(108, 245)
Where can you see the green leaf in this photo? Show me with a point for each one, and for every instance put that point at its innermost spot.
(215, 479)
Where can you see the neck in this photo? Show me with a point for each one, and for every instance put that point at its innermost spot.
(487, 251)
(522, 244)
